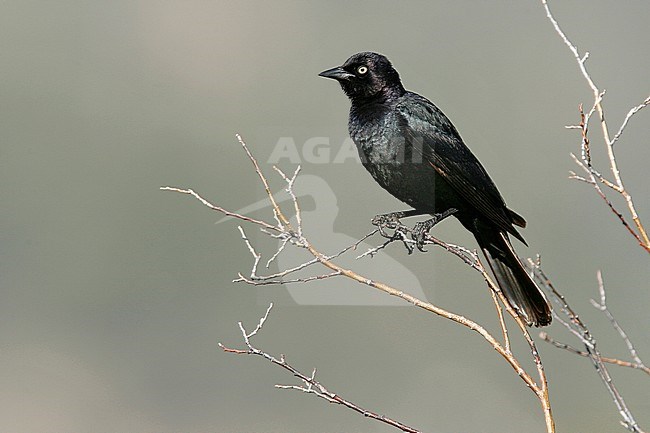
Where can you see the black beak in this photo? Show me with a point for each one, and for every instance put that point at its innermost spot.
(337, 73)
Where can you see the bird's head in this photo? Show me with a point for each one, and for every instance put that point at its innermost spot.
(365, 76)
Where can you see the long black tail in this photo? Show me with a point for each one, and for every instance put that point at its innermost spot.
(516, 284)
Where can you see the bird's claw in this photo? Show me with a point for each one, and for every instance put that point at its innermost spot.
(386, 221)
(419, 234)
(401, 232)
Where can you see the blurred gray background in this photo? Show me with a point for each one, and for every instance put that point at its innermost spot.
(115, 294)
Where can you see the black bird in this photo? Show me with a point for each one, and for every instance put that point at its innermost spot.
(414, 152)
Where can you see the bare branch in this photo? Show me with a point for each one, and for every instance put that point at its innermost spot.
(289, 189)
(311, 385)
(276, 209)
(502, 322)
(630, 113)
(258, 282)
(259, 325)
(372, 251)
(568, 348)
(257, 256)
(283, 244)
(580, 330)
(602, 306)
(284, 230)
(219, 208)
(640, 234)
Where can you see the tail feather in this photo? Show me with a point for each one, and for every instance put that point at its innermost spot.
(517, 285)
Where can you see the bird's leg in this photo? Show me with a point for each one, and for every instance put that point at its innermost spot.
(421, 229)
(392, 221)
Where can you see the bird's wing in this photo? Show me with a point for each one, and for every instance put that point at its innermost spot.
(425, 127)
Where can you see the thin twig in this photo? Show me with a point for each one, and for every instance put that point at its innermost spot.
(374, 250)
(578, 328)
(630, 113)
(219, 208)
(279, 216)
(312, 386)
(289, 190)
(602, 306)
(641, 236)
(544, 336)
(278, 278)
(283, 244)
(287, 231)
(257, 282)
(502, 322)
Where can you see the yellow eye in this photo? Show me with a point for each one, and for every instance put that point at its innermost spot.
(362, 70)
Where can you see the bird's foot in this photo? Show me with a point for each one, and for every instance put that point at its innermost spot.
(391, 221)
(421, 230)
(387, 221)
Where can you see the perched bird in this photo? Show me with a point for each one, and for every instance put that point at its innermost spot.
(414, 152)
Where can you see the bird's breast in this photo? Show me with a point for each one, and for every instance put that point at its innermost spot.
(393, 162)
